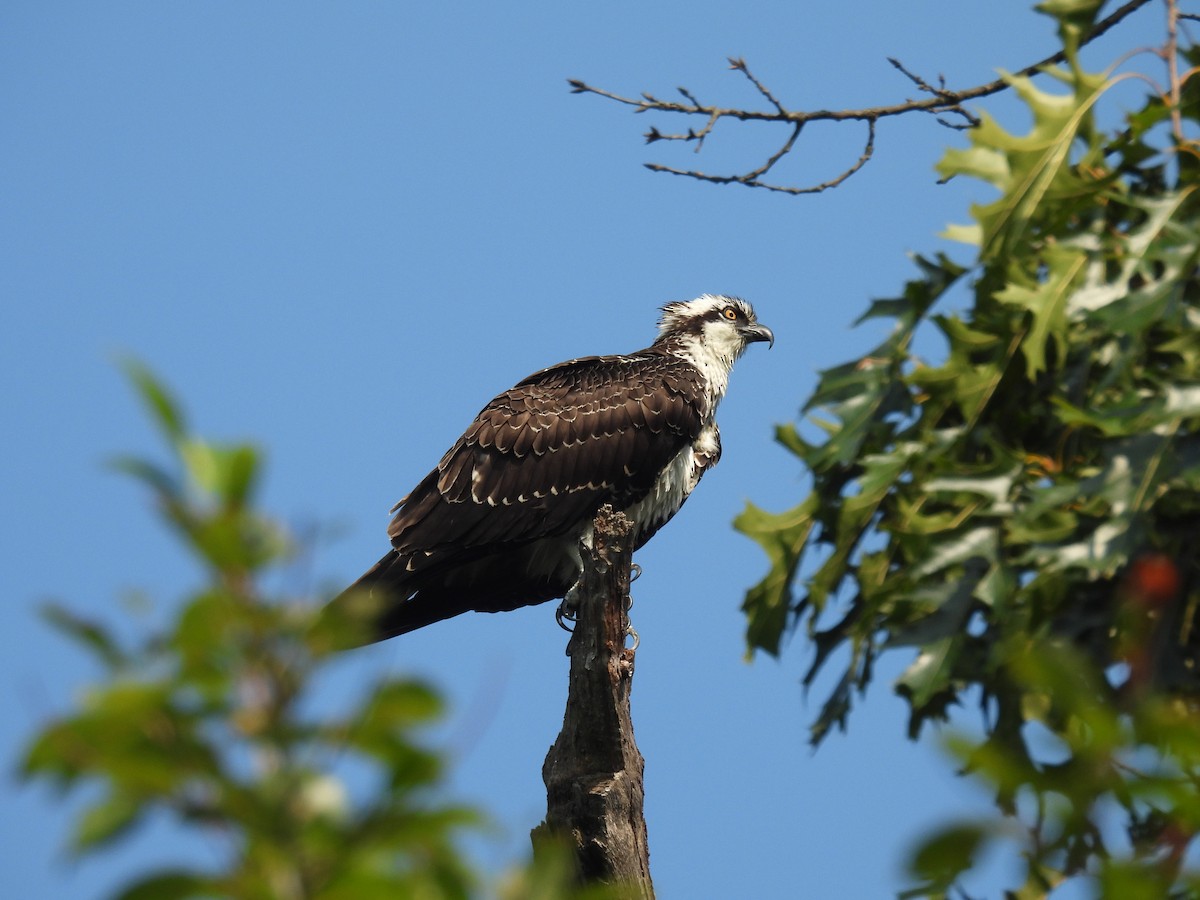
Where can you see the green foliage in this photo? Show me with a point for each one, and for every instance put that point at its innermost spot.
(1025, 513)
(212, 721)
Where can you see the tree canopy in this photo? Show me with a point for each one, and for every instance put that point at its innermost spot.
(1022, 514)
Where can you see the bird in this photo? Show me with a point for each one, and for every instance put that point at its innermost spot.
(497, 524)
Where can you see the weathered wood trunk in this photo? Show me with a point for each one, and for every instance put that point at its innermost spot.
(593, 773)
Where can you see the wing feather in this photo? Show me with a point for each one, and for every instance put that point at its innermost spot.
(549, 451)
(454, 478)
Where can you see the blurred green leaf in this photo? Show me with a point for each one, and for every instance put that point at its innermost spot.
(106, 820)
(168, 885)
(166, 486)
(944, 855)
(402, 704)
(91, 635)
(157, 399)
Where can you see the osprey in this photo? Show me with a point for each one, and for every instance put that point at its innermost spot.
(497, 525)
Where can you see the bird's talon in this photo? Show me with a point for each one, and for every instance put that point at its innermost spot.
(562, 615)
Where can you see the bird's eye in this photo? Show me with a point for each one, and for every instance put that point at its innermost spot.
(730, 313)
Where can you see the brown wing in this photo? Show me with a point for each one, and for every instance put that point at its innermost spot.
(547, 453)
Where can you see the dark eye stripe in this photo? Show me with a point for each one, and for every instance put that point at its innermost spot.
(714, 314)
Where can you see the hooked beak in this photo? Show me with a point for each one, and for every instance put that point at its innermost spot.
(753, 333)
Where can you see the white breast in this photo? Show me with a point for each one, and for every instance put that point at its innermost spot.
(670, 489)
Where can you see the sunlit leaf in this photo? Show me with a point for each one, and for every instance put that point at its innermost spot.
(1047, 305)
(784, 538)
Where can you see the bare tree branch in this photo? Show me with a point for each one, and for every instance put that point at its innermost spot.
(941, 103)
(593, 773)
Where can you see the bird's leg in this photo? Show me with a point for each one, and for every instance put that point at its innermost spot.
(635, 572)
(568, 609)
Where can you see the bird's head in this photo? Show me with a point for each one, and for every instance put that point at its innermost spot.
(713, 325)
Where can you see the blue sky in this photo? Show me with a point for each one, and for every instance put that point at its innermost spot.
(338, 230)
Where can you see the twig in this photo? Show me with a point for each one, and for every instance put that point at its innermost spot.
(971, 119)
(940, 102)
(1171, 51)
(740, 65)
(752, 178)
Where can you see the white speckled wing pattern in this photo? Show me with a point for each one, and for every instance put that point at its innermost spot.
(546, 454)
